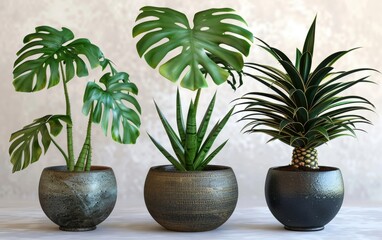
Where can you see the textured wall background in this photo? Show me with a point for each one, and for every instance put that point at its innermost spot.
(108, 23)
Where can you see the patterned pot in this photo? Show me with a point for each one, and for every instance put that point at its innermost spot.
(77, 201)
(304, 200)
(191, 201)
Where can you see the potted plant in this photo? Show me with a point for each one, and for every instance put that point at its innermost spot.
(77, 196)
(305, 110)
(191, 195)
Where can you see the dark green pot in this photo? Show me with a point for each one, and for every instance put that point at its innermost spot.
(77, 201)
(304, 200)
(191, 201)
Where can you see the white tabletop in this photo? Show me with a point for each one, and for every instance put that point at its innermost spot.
(351, 223)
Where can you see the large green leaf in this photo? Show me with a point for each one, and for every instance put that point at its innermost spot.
(26, 143)
(112, 101)
(44, 51)
(208, 36)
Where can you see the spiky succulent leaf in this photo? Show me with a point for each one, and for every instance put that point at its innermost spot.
(191, 143)
(114, 100)
(206, 146)
(209, 33)
(169, 157)
(39, 60)
(205, 121)
(208, 159)
(26, 143)
(319, 112)
(192, 153)
(179, 118)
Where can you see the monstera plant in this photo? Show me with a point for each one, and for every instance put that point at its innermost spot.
(51, 56)
(192, 48)
(306, 109)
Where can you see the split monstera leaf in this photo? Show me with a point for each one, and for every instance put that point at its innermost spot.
(212, 34)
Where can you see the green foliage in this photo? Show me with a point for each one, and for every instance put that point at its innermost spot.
(26, 146)
(111, 101)
(51, 55)
(49, 47)
(209, 34)
(188, 145)
(305, 108)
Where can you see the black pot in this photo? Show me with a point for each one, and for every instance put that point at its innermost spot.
(304, 200)
(191, 201)
(77, 201)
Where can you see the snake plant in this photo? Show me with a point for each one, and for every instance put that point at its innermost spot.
(190, 149)
(50, 56)
(213, 34)
(307, 107)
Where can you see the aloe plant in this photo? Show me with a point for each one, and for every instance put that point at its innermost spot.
(50, 56)
(306, 108)
(190, 143)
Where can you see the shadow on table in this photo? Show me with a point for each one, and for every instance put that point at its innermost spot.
(257, 226)
(138, 227)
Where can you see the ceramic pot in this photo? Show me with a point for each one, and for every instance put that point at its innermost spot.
(191, 201)
(77, 201)
(304, 200)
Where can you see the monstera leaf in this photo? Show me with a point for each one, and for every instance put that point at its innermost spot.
(44, 51)
(210, 35)
(25, 147)
(111, 101)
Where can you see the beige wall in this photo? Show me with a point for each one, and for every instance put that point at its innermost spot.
(341, 25)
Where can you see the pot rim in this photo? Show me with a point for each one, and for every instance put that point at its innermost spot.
(287, 168)
(63, 168)
(170, 168)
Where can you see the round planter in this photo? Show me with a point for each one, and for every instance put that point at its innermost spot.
(77, 201)
(304, 200)
(191, 201)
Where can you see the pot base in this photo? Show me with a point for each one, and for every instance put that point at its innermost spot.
(302, 229)
(69, 229)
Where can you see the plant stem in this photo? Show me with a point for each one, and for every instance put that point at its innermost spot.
(86, 148)
(69, 128)
(61, 150)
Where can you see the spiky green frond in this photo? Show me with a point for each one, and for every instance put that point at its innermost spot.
(307, 107)
(190, 144)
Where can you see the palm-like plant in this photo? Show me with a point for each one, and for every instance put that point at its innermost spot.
(50, 56)
(305, 109)
(212, 31)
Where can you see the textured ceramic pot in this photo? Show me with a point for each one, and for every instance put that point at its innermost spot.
(191, 201)
(77, 201)
(304, 200)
